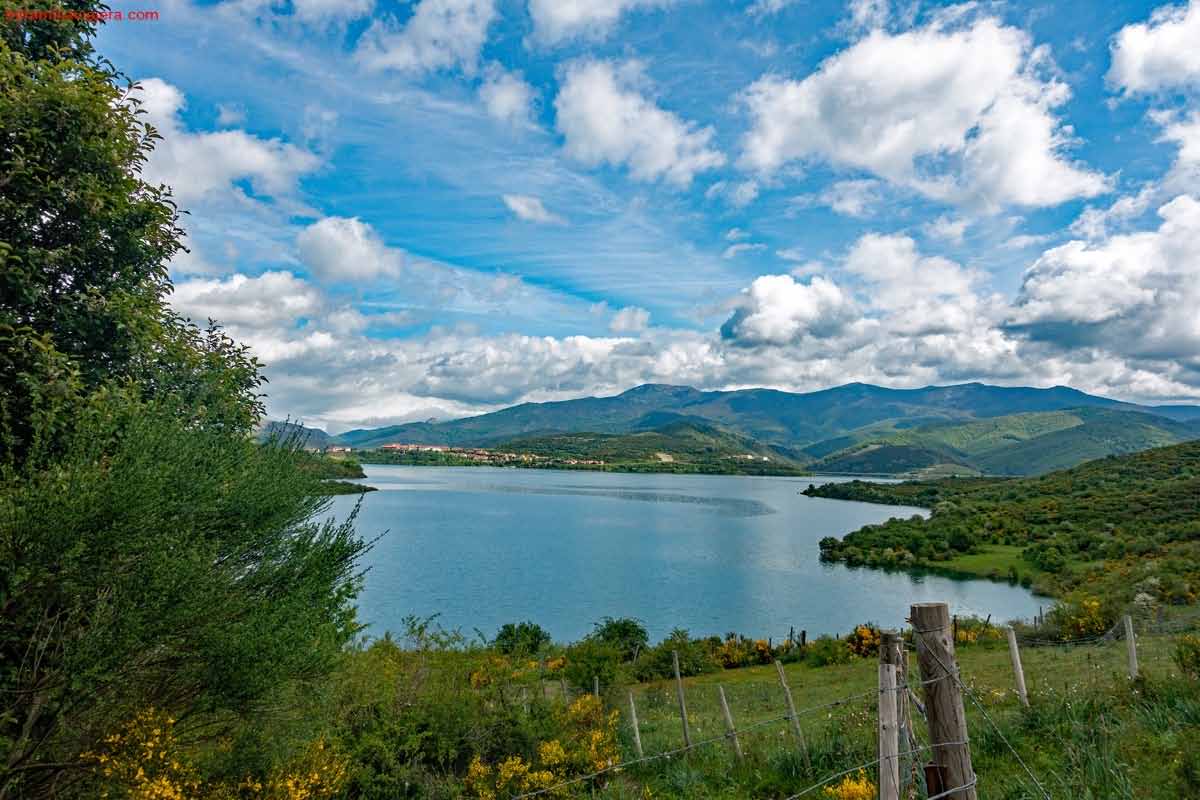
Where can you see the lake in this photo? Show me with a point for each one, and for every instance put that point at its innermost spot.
(484, 546)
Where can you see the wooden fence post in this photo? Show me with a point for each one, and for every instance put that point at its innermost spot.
(1018, 672)
(891, 651)
(737, 746)
(1131, 646)
(596, 686)
(687, 734)
(787, 693)
(633, 721)
(943, 699)
(562, 684)
(889, 734)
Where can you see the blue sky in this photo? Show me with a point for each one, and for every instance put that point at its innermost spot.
(440, 207)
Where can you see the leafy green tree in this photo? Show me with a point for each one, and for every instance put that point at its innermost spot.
(627, 635)
(523, 638)
(151, 554)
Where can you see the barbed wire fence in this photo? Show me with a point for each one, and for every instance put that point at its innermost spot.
(944, 735)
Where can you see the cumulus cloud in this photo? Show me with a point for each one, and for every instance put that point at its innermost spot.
(269, 300)
(506, 96)
(201, 165)
(555, 21)
(630, 319)
(531, 209)
(606, 119)
(1159, 54)
(1133, 294)
(779, 310)
(440, 34)
(956, 112)
(346, 249)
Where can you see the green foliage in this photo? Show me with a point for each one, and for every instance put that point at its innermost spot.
(626, 635)
(523, 638)
(826, 650)
(1187, 655)
(1138, 515)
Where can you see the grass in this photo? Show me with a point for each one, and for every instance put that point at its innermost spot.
(1091, 732)
(991, 558)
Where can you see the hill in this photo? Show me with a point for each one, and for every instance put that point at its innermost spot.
(1015, 444)
(786, 419)
(678, 445)
(311, 437)
(1114, 527)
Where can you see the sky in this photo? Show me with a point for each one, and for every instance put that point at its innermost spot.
(435, 208)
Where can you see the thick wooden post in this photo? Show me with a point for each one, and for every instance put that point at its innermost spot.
(737, 746)
(687, 734)
(596, 686)
(633, 721)
(562, 685)
(1018, 672)
(1131, 647)
(889, 734)
(933, 633)
(787, 694)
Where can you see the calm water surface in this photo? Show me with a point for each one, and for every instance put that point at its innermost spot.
(485, 546)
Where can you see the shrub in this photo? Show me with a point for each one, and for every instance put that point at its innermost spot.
(523, 638)
(625, 634)
(1187, 655)
(827, 650)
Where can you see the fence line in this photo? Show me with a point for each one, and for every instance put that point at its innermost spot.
(914, 775)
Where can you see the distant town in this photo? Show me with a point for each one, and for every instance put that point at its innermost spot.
(478, 455)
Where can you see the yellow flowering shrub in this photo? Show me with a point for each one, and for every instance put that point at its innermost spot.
(588, 744)
(142, 760)
(852, 787)
(864, 642)
(1083, 618)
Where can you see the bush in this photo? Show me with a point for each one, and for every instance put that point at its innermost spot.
(523, 638)
(627, 635)
(827, 650)
(591, 659)
(1187, 655)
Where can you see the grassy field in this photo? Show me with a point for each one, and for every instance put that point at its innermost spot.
(1091, 732)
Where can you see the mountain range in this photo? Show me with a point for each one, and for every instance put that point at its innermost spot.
(971, 428)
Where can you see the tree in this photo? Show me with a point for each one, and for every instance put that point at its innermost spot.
(524, 638)
(628, 636)
(151, 554)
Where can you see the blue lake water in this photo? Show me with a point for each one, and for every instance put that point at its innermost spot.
(485, 546)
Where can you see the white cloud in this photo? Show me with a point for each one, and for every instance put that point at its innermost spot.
(1096, 223)
(270, 299)
(767, 7)
(441, 34)
(947, 229)
(1183, 131)
(851, 198)
(735, 250)
(605, 119)
(738, 194)
(201, 165)
(555, 21)
(736, 234)
(531, 209)
(346, 249)
(1159, 54)
(230, 115)
(868, 14)
(778, 310)
(320, 12)
(956, 113)
(506, 96)
(630, 319)
(1132, 294)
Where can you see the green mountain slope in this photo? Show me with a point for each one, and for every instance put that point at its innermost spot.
(792, 420)
(310, 437)
(1015, 444)
(681, 442)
